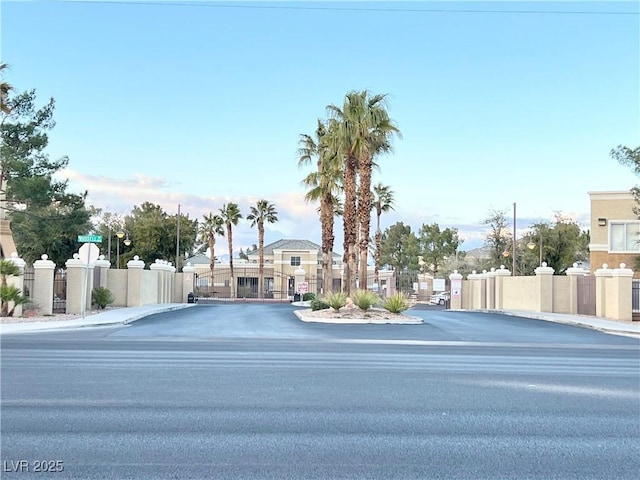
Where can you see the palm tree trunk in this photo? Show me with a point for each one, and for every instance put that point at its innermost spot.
(261, 265)
(232, 283)
(377, 259)
(364, 217)
(326, 220)
(350, 223)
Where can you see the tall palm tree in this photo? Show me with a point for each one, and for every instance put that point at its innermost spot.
(213, 225)
(323, 185)
(261, 213)
(5, 88)
(365, 130)
(383, 200)
(230, 214)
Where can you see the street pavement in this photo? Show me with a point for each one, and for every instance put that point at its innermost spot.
(247, 391)
(127, 315)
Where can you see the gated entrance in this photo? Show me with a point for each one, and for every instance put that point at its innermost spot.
(586, 295)
(60, 291)
(217, 285)
(635, 299)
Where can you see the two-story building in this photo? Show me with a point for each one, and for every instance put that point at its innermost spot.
(615, 229)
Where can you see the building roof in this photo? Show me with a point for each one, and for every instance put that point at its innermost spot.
(199, 259)
(286, 244)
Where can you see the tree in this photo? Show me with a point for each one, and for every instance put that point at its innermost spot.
(325, 185)
(629, 157)
(563, 243)
(230, 213)
(399, 248)
(383, 200)
(153, 233)
(261, 213)
(436, 245)
(364, 130)
(9, 293)
(213, 225)
(44, 217)
(5, 88)
(498, 237)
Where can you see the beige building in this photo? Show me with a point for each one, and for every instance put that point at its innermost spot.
(615, 230)
(290, 267)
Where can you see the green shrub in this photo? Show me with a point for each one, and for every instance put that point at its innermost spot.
(336, 300)
(101, 297)
(308, 297)
(317, 304)
(365, 299)
(396, 303)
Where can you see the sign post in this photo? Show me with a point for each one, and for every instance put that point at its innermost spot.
(91, 255)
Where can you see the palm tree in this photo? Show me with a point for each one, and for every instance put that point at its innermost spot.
(324, 185)
(364, 130)
(382, 202)
(261, 213)
(213, 225)
(230, 214)
(5, 88)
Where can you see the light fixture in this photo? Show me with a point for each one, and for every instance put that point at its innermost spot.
(602, 222)
(127, 241)
(531, 245)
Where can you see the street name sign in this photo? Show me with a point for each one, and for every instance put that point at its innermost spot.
(89, 238)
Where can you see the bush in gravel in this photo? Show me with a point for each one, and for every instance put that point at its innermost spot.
(396, 303)
(317, 304)
(365, 299)
(101, 297)
(308, 297)
(336, 300)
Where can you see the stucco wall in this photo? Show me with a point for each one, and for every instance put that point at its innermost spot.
(117, 283)
(561, 299)
(521, 293)
(611, 206)
(149, 290)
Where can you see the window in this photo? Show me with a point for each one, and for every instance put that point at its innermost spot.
(624, 237)
(295, 261)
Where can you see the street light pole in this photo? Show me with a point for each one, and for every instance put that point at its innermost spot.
(120, 235)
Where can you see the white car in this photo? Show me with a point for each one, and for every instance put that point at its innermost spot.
(440, 298)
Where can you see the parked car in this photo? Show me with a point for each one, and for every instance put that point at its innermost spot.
(440, 298)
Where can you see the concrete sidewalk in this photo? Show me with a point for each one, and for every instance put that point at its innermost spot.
(595, 323)
(117, 316)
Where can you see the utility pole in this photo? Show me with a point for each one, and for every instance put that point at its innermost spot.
(513, 259)
(178, 242)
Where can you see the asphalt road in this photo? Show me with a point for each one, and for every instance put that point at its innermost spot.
(248, 391)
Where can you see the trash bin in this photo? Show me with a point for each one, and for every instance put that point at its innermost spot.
(191, 298)
(296, 297)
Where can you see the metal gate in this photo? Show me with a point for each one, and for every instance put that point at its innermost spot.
(216, 285)
(635, 299)
(60, 291)
(28, 281)
(587, 295)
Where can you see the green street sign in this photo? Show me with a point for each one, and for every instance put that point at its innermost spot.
(89, 238)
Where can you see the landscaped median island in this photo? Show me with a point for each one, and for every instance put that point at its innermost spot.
(363, 308)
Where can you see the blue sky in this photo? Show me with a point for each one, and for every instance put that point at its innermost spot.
(202, 103)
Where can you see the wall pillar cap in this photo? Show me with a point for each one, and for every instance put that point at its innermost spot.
(575, 270)
(75, 262)
(605, 271)
(502, 271)
(623, 271)
(544, 270)
(101, 262)
(455, 276)
(188, 268)
(16, 260)
(44, 263)
(135, 263)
